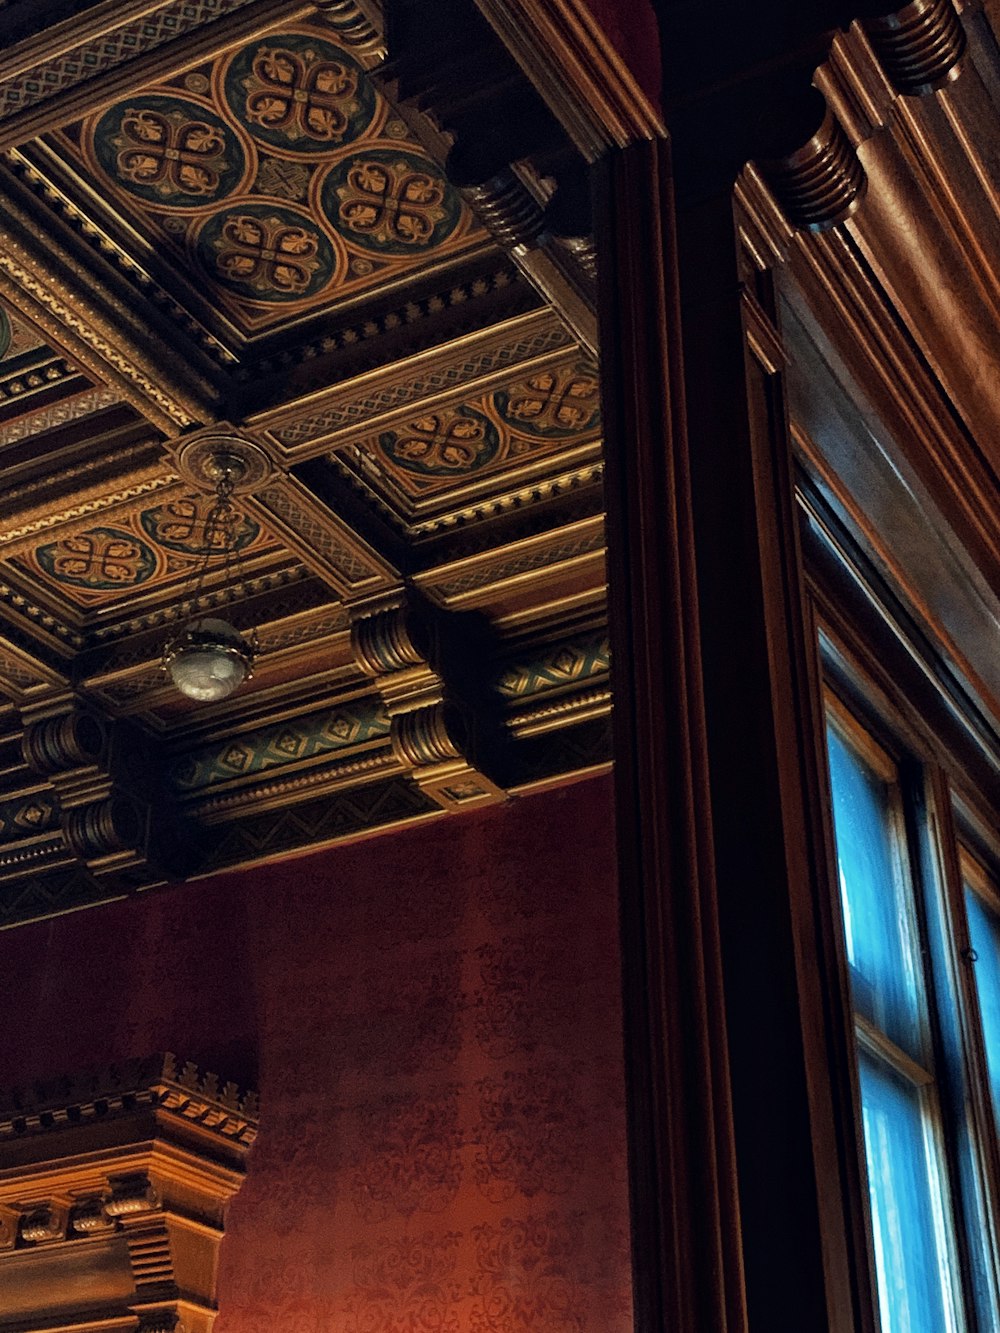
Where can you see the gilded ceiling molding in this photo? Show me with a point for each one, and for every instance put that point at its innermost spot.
(90, 338)
(464, 584)
(382, 804)
(23, 675)
(55, 87)
(515, 500)
(421, 315)
(59, 201)
(33, 509)
(310, 426)
(224, 761)
(113, 1191)
(543, 719)
(324, 542)
(275, 793)
(85, 404)
(566, 54)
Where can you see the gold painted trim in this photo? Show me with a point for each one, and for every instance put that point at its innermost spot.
(172, 57)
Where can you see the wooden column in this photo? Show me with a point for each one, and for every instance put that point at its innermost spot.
(746, 1188)
(686, 1227)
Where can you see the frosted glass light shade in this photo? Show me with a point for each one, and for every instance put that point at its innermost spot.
(209, 660)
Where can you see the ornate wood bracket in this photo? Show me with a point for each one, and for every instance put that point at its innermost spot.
(500, 144)
(113, 1188)
(102, 783)
(430, 724)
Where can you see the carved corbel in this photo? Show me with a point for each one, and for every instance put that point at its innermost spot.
(429, 727)
(498, 144)
(920, 46)
(105, 785)
(821, 183)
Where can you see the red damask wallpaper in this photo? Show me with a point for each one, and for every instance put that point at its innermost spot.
(433, 1020)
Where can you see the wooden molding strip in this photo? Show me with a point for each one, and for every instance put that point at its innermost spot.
(572, 64)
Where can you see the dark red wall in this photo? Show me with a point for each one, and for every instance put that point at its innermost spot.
(435, 1018)
(632, 29)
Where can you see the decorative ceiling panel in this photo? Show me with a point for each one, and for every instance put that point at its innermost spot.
(227, 227)
(275, 177)
(147, 550)
(459, 449)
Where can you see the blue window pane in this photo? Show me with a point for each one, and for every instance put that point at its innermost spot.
(911, 1260)
(878, 920)
(984, 932)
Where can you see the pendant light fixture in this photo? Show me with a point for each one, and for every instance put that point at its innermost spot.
(208, 658)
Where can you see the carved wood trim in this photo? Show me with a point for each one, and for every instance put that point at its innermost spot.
(570, 61)
(113, 1188)
(688, 1271)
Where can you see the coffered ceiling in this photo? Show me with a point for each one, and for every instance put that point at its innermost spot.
(233, 222)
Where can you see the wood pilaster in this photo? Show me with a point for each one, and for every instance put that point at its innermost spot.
(747, 1196)
(686, 1226)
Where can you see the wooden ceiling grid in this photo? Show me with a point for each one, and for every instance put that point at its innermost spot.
(231, 222)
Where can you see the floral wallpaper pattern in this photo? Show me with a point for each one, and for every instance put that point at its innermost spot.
(434, 1016)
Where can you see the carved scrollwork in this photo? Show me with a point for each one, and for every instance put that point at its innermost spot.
(921, 46)
(71, 740)
(820, 184)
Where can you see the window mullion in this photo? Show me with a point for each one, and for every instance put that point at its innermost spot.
(961, 1073)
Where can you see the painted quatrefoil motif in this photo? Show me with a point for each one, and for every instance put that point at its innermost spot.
(266, 252)
(102, 558)
(299, 94)
(441, 444)
(390, 201)
(169, 151)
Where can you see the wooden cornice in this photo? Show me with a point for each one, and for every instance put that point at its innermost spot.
(887, 222)
(571, 63)
(113, 1190)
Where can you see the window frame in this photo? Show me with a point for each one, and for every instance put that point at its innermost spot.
(895, 767)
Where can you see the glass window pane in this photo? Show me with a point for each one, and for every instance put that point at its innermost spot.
(984, 932)
(878, 918)
(911, 1254)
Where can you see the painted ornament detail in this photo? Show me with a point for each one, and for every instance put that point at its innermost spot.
(180, 526)
(441, 444)
(104, 558)
(169, 151)
(300, 95)
(267, 253)
(557, 403)
(393, 202)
